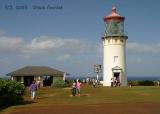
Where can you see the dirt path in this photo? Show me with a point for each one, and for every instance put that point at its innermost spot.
(124, 108)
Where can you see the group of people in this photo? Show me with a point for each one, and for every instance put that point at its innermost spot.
(115, 82)
(76, 87)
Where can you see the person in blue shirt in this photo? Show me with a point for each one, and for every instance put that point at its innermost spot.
(33, 89)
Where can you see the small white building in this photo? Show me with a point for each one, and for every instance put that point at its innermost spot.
(114, 49)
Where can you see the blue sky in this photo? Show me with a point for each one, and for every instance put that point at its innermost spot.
(69, 38)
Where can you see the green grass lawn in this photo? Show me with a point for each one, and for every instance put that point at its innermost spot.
(90, 95)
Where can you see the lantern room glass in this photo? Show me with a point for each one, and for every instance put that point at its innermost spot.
(114, 28)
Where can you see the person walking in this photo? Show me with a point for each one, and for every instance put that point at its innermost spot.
(33, 89)
(74, 88)
(79, 87)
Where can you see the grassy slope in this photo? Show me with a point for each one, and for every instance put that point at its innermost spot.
(90, 95)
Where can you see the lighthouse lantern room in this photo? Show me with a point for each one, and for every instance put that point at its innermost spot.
(114, 50)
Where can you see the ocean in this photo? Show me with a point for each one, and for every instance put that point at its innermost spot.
(139, 78)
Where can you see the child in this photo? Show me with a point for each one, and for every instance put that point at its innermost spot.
(74, 88)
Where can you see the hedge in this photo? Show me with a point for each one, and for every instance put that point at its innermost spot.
(11, 92)
(59, 83)
(141, 83)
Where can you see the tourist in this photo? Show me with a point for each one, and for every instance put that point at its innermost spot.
(158, 83)
(74, 88)
(118, 82)
(33, 89)
(130, 83)
(78, 86)
(112, 82)
(94, 82)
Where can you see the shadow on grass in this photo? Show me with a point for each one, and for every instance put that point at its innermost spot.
(21, 103)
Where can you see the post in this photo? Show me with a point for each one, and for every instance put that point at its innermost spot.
(64, 76)
(22, 79)
(97, 70)
(97, 77)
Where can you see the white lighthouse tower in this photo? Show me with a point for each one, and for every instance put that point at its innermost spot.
(114, 58)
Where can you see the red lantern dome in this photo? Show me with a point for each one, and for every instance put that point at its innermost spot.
(114, 15)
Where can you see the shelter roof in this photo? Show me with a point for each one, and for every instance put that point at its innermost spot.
(36, 71)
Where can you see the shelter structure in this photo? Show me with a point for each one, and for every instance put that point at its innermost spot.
(43, 75)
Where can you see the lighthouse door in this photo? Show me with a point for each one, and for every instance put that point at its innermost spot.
(116, 76)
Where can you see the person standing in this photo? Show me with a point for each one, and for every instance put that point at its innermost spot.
(158, 83)
(79, 86)
(94, 82)
(33, 89)
(74, 88)
(112, 82)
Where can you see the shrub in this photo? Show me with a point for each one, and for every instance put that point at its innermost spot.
(59, 83)
(133, 82)
(68, 83)
(11, 92)
(141, 83)
(146, 83)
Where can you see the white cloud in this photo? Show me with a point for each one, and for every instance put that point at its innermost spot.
(54, 44)
(143, 48)
(63, 57)
(11, 44)
(43, 44)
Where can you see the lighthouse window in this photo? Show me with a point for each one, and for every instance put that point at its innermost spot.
(122, 41)
(115, 59)
(115, 40)
(108, 41)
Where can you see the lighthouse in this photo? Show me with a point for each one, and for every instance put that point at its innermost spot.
(114, 50)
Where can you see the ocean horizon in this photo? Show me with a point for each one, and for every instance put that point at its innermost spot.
(152, 78)
(139, 78)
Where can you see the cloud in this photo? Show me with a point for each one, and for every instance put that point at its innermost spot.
(46, 44)
(11, 44)
(43, 45)
(63, 58)
(43, 42)
(2, 32)
(143, 48)
(137, 60)
(55, 44)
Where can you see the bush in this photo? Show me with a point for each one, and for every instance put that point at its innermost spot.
(133, 83)
(11, 92)
(59, 83)
(68, 83)
(146, 83)
(141, 83)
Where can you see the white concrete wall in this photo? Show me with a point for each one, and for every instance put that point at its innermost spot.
(114, 47)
